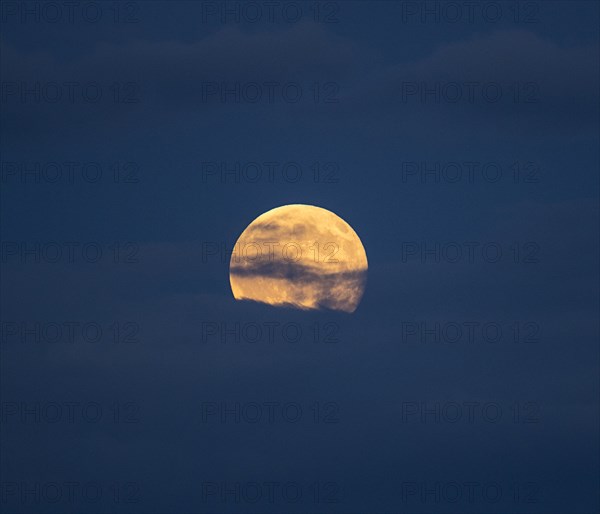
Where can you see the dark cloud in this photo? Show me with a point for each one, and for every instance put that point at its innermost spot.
(337, 291)
(290, 270)
(541, 85)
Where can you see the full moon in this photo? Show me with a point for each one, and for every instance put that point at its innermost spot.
(299, 256)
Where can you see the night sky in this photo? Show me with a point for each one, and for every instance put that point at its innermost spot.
(458, 139)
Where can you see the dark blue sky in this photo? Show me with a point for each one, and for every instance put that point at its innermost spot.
(461, 143)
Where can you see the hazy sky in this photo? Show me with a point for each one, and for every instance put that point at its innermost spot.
(460, 142)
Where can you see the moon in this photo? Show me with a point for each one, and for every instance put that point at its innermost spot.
(299, 256)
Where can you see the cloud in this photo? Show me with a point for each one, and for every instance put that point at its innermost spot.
(287, 283)
(166, 77)
(544, 85)
(171, 75)
(174, 68)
